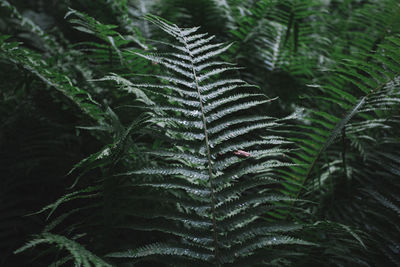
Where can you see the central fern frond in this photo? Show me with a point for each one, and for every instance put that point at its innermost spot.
(217, 181)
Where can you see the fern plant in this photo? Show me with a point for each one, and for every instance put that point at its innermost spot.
(208, 202)
(217, 182)
(357, 110)
(357, 85)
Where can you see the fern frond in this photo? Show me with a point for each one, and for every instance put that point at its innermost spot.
(80, 255)
(200, 117)
(374, 83)
(31, 61)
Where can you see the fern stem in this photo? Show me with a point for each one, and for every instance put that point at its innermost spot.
(344, 152)
(110, 55)
(210, 171)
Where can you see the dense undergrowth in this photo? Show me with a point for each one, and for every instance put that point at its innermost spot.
(201, 133)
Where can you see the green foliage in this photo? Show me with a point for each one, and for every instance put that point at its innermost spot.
(214, 214)
(138, 142)
(32, 63)
(80, 255)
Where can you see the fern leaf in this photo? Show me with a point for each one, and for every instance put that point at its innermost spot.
(80, 255)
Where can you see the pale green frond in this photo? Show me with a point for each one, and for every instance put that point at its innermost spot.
(193, 38)
(192, 158)
(176, 81)
(176, 183)
(230, 134)
(234, 157)
(232, 207)
(158, 87)
(269, 140)
(251, 169)
(205, 48)
(80, 255)
(223, 90)
(191, 175)
(196, 237)
(163, 249)
(233, 190)
(214, 72)
(222, 126)
(208, 87)
(233, 109)
(170, 64)
(201, 67)
(199, 42)
(241, 235)
(211, 54)
(183, 122)
(249, 247)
